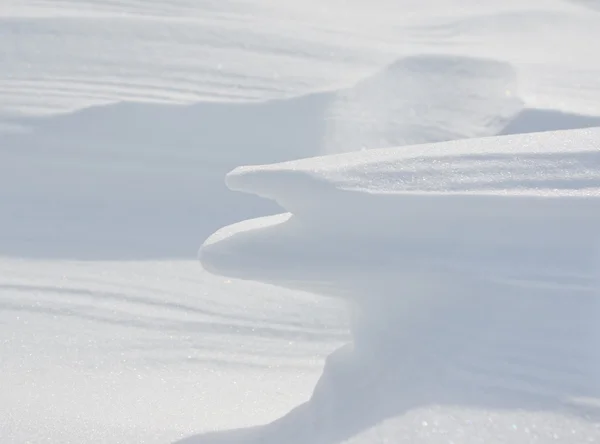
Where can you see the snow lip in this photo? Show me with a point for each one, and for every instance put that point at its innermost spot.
(541, 164)
(348, 209)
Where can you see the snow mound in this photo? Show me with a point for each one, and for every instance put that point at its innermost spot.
(472, 270)
(424, 98)
(122, 161)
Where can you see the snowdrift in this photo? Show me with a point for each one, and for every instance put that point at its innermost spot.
(472, 269)
(111, 332)
(123, 161)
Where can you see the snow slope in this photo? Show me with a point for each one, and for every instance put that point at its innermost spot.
(69, 54)
(150, 351)
(472, 268)
(118, 121)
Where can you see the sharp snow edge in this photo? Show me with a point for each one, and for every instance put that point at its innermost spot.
(461, 297)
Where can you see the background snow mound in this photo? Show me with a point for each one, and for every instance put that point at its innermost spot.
(121, 162)
(424, 98)
(537, 120)
(591, 4)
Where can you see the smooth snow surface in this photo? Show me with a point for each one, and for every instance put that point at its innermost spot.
(118, 122)
(123, 352)
(62, 55)
(473, 271)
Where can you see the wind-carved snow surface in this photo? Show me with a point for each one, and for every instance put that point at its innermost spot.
(123, 160)
(420, 99)
(473, 271)
(118, 121)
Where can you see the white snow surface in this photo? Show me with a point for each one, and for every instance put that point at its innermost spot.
(118, 122)
(473, 271)
(553, 164)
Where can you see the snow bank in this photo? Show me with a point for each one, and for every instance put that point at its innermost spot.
(123, 161)
(472, 268)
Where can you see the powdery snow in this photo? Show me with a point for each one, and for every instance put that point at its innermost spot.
(118, 122)
(550, 164)
(126, 160)
(472, 269)
(70, 54)
(443, 425)
(150, 351)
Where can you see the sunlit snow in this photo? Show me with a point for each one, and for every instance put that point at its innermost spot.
(380, 278)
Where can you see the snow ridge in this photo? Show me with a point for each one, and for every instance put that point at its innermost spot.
(475, 285)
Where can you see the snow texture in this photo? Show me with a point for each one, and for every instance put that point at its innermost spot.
(118, 122)
(472, 268)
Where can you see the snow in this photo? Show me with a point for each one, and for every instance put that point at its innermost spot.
(118, 124)
(472, 271)
(149, 351)
(64, 55)
(551, 164)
